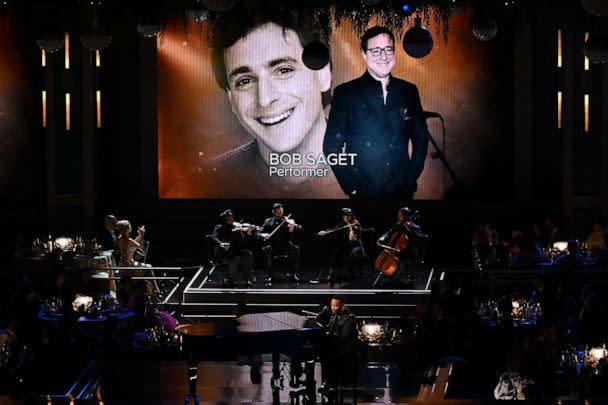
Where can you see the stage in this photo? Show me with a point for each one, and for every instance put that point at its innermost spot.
(204, 293)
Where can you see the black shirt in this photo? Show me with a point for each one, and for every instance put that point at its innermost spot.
(224, 233)
(377, 132)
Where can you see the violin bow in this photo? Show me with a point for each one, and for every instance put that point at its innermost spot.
(277, 228)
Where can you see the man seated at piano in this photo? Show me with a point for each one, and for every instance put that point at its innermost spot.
(230, 239)
(338, 356)
(278, 232)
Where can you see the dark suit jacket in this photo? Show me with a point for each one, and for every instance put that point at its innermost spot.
(107, 239)
(223, 233)
(379, 136)
(342, 332)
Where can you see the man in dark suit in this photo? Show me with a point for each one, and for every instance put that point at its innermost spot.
(338, 353)
(107, 237)
(230, 248)
(376, 116)
(281, 242)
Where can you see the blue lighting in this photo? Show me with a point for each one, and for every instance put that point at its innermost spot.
(405, 8)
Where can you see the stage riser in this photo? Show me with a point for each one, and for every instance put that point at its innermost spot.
(305, 297)
(362, 310)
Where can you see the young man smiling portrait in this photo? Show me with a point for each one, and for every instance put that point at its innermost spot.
(257, 60)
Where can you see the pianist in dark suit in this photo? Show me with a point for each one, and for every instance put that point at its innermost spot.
(230, 247)
(281, 242)
(367, 118)
(338, 356)
(107, 237)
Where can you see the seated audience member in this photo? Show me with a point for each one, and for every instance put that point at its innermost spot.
(107, 236)
(140, 304)
(146, 316)
(487, 241)
(602, 255)
(571, 260)
(8, 337)
(591, 317)
(123, 294)
(523, 254)
(552, 233)
(126, 245)
(595, 240)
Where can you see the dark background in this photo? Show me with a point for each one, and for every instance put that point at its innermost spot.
(63, 183)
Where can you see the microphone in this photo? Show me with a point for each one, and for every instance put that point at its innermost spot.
(419, 114)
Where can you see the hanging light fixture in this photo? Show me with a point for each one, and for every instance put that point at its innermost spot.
(48, 20)
(315, 55)
(96, 35)
(418, 41)
(484, 27)
(196, 11)
(596, 48)
(597, 8)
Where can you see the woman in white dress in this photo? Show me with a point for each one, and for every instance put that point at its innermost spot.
(126, 245)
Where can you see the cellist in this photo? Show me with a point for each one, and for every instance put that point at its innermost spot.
(412, 233)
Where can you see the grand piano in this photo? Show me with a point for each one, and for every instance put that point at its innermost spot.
(273, 333)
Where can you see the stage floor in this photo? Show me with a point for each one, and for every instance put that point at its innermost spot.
(229, 382)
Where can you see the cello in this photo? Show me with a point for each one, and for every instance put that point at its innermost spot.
(388, 261)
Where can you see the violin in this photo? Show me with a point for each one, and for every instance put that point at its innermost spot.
(244, 227)
(286, 220)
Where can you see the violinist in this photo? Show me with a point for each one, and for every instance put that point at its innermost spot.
(278, 233)
(230, 239)
(347, 247)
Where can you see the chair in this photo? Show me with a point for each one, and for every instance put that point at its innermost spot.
(280, 258)
(141, 255)
(220, 265)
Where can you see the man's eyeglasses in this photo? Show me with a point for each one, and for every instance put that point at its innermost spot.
(388, 51)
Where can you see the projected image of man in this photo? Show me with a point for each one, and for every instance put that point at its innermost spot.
(277, 100)
(374, 116)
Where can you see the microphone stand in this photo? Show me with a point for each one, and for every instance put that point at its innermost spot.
(440, 154)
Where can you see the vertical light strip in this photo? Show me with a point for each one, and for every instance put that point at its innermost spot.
(586, 113)
(67, 111)
(559, 48)
(97, 58)
(43, 58)
(559, 110)
(44, 108)
(98, 97)
(67, 50)
(586, 58)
